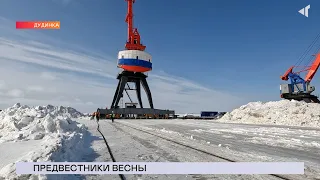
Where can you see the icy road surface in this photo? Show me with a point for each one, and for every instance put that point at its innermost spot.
(302, 144)
(243, 142)
(232, 141)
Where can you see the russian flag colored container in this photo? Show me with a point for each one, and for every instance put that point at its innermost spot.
(134, 61)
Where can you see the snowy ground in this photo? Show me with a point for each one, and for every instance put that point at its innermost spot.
(133, 146)
(239, 142)
(284, 112)
(48, 133)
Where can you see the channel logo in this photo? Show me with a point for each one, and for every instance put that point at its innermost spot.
(305, 11)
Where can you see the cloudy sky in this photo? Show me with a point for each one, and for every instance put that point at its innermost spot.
(76, 65)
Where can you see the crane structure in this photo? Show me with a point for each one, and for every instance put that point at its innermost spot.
(134, 62)
(300, 89)
(133, 42)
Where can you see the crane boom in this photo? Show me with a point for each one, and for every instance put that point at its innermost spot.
(133, 42)
(129, 19)
(285, 77)
(313, 69)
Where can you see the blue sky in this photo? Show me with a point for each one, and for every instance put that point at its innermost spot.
(237, 48)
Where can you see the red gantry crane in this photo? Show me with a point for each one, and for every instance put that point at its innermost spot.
(135, 62)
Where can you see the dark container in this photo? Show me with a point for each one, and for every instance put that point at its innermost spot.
(208, 113)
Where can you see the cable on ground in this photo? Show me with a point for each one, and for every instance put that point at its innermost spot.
(122, 177)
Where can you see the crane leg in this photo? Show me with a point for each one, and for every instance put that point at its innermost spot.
(138, 79)
(147, 89)
(115, 95)
(138, 90)
(122, 82)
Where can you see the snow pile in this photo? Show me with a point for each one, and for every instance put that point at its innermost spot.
(284, 112)
(58, 137)
(60, 111)
(24, 122)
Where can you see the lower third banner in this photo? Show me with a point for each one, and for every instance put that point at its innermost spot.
(160, 168)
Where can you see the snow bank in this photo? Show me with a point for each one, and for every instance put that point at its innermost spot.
(284, 112)
(59, 138)
(24, 122)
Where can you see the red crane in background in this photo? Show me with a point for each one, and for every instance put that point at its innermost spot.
(133, 42)
(300, 89)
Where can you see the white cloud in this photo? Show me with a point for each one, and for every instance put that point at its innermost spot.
(2, 84)
(52, 57)
(35, 88)
(47, 76)
(16, 93)
(38, 73)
